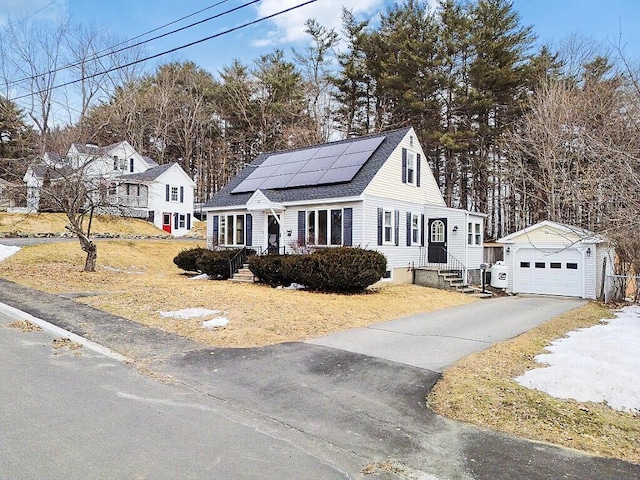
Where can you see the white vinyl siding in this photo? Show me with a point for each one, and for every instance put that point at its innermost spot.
(387, 183)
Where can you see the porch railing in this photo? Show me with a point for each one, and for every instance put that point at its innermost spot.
(237, 261)
(447, 262)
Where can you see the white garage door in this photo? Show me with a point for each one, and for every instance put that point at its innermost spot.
(559, 273)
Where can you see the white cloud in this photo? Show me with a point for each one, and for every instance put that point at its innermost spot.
(289, 27)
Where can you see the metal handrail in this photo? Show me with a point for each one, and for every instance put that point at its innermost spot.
(237, 260)
(451, 265)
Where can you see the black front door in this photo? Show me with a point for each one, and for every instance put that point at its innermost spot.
(273, 232)
(437, 245)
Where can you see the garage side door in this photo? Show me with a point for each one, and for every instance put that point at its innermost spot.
(560, 273)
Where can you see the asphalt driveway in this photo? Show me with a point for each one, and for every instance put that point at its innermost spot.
(436, 340)
(340, 403)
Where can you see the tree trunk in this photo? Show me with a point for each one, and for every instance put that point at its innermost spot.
(91, 249)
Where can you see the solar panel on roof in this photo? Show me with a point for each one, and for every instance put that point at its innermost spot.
(337, 175)
(306, 178)
(332, 150)
(331, 163)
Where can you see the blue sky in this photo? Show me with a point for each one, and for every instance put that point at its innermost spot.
(552, 20)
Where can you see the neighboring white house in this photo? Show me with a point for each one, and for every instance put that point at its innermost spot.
(555, 259)
(376, 192)
(5, 190)
(162, 194)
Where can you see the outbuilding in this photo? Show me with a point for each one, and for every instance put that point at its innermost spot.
(550, 258)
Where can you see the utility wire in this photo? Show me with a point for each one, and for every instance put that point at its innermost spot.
(109, 50)
(225, 32)
(37, 12)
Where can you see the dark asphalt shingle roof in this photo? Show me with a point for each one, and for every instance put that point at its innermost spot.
(224, 198)
(40, 171)
(148, 175)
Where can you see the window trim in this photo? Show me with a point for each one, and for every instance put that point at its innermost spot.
(415, 229)
(412, 169)
(314, 227)
(388, 228)
(438, 236)
(229, 226)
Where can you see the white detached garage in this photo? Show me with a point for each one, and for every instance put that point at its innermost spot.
(550, 258)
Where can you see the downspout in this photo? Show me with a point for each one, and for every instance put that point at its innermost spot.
(275, 215)
(465, 245)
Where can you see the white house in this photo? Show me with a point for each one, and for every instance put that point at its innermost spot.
(162, 194)
(376, 192)
(556, 259)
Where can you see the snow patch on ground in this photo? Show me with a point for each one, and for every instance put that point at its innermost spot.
(7, 251)
(202, 276)
(596, 364)
(189, 313)
(215, 323)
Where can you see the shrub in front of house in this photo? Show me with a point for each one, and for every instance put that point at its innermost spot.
(268, 269)
(339, 270)
(216, 263)
(187, 259)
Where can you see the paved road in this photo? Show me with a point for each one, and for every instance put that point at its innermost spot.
(438, 339)
(75, 414)
(353, 404)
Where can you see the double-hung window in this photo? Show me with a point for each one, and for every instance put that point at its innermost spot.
(415, 228)
(474, 234)
(231, 229)
(411, 168)
(325, 227)
(174, 194)
(388, 226)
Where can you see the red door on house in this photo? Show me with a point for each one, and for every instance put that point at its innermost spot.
(166, 222)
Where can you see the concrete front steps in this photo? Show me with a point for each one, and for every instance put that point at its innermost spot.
(447, 280)
(243, 275)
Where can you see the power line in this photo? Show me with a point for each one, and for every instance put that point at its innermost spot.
(104, 72)
(37, 12)
(110, 50)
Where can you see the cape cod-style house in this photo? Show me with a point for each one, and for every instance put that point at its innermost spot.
(136, 184)
(376, 192)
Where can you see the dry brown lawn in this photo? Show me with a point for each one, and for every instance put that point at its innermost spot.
(480, 390)
(24, 224)
(138, 280)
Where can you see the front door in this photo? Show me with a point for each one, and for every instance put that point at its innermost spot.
(166, 222)
(273, 235)
(437, 235)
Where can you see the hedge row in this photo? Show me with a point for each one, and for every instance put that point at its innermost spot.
(214, 263)
(341, 270)
(344, 269)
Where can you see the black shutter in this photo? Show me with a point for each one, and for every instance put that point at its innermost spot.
(418, 170)
(409, 229)
(175, 221)
(188, 221)
(302, 227)
(248, 241)
(214, 240)
(167, 191)
(397, 225)
(181, 194)
(404, 165)
(422, 229)
(347, 225)
(380, 226)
